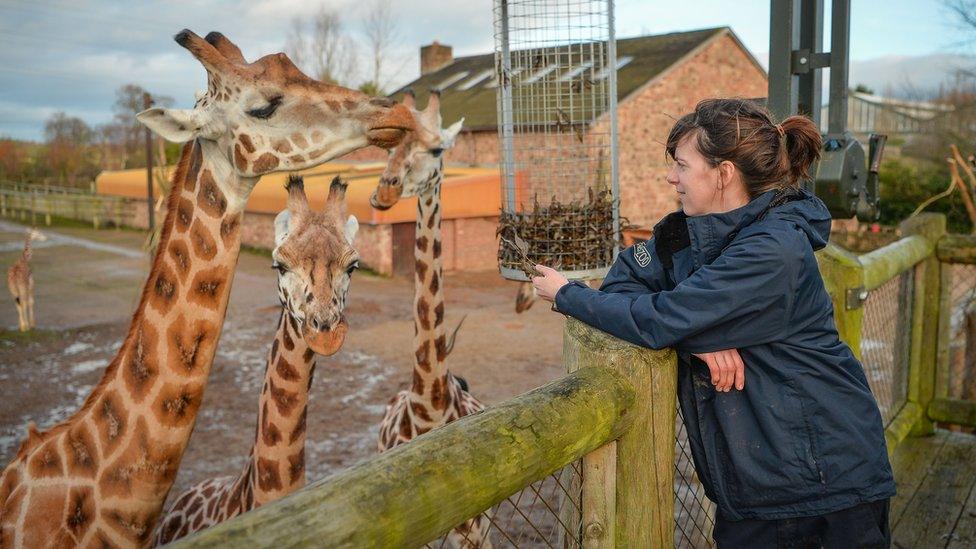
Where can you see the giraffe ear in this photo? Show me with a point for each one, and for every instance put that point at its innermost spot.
(177, 125)
(281, 227)
(448, 135)
(351, 228)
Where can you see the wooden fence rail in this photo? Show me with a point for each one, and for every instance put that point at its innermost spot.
(40, 204)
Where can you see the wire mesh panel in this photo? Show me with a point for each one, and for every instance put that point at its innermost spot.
(694, 514)
(884, 345)
(962, 332)
(545, 514)
(555, 63)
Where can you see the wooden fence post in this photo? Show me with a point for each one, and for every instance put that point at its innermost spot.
(843, 277)
(922, 371)
(642, 460)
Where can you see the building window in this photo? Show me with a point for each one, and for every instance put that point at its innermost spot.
(453, 79)
(476, 79)
(621, 63)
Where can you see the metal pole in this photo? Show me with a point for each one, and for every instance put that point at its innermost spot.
(783, 39)
(614, 183)
(150, 201)
(840, 31)
(508, 129)
(811, 40)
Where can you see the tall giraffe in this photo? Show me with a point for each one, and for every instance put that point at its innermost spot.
(20, 282)
(435, 397)
(315, 260)
(101, 476)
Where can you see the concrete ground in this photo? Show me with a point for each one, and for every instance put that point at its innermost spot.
(88, 284)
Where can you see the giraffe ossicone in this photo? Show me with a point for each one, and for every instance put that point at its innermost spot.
(314, 257)
(101, 476)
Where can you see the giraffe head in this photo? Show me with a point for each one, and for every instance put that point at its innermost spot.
(315, 259)
(418, 158)
(268, 116)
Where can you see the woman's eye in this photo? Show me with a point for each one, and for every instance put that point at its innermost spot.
(266, 111)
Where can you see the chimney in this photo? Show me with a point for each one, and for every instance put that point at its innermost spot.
(435, 56)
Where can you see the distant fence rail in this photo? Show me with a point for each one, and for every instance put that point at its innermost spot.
(598, 447)
(44, 203)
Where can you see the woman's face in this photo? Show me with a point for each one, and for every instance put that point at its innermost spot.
(699, 185)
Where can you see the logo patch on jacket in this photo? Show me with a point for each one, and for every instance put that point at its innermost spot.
(641, 254)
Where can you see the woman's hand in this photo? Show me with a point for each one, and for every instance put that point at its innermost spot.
(726, 368)
(549, 283)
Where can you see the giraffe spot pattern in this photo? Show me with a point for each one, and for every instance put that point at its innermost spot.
(139, 365)
(422, 356)
(246, 142)
(209, 197)
(184, 214)
(265, 163)
(164, 290)
(282, 146)
(422, 243)
(296, 467)
(438, 395)
(229, 230)
(177, 404)
(205, 290)
(188, 342)
(81, 510)
(204, 245)
(299, 430)
(439, 314)
(284, 400)
(109, 421)
(180, 254)
(239, 160)
(80, 452)
(285, 370)
(421, 268)
(46, 461)
(196, 162)
(437, 248)
(268, 477)
(441, 345)
(423, 313)
(299, 140)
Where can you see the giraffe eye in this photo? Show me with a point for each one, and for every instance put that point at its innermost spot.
(436, 152)
(280, 267)
(352, 267)
(267, 111)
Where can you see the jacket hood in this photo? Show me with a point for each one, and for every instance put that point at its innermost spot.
(711, 233)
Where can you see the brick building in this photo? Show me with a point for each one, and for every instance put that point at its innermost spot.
(659, 78)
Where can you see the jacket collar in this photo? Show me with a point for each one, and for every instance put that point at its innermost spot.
(708, 234)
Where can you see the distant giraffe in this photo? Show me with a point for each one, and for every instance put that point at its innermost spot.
(100, 478)
(315, 259)
(20, 281)
(435, 397)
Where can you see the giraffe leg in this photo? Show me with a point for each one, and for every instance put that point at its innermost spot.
(21, 317)
(30, 304)
(472, 534)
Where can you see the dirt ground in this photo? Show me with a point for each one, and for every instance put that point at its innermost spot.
(87, 286)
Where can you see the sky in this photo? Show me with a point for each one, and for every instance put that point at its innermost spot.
(72, 55)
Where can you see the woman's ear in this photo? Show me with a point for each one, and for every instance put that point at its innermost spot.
(726, 174)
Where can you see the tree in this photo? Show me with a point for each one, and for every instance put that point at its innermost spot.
(123, 141)
(68, 139)
(12, 157)
(381, 31)
(323, 50)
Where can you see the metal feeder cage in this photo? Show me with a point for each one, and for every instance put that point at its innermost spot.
(556, 76)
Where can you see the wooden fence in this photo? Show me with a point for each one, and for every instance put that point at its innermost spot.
(44, 203)
(613, 418)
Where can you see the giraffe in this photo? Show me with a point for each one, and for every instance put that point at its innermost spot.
(315, 259)
(435, 397)
(20, 281)
(101, 476)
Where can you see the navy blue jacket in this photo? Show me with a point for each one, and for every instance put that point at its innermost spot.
(805, 436)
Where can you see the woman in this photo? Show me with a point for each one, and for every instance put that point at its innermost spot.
(786, 436)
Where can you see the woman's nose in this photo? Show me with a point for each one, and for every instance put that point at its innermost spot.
(671, 178)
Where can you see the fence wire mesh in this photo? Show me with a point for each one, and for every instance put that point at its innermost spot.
(555, 72)
(694, 514)
(885, 347)
(962, 332)
(544, 514)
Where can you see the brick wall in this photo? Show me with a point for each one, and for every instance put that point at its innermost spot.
(720, 69)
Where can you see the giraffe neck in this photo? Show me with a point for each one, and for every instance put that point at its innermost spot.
(126, 442)
(430, 379)
(277, 463)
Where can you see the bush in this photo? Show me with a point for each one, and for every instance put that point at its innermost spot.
(904, 184)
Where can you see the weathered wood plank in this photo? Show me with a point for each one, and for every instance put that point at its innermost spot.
(841, 271)
(953, 410)
(645, 453)
(885, 263)
(957, 248)
(911, 462)
(964, 534)
(418, 491)
(933, 512)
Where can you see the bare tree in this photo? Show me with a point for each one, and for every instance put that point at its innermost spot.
(381, 31)
(324, 50)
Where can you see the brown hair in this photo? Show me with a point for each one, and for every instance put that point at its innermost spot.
(770, 156)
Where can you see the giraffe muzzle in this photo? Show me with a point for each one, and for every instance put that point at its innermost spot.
(391, 127)
(325, 342)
